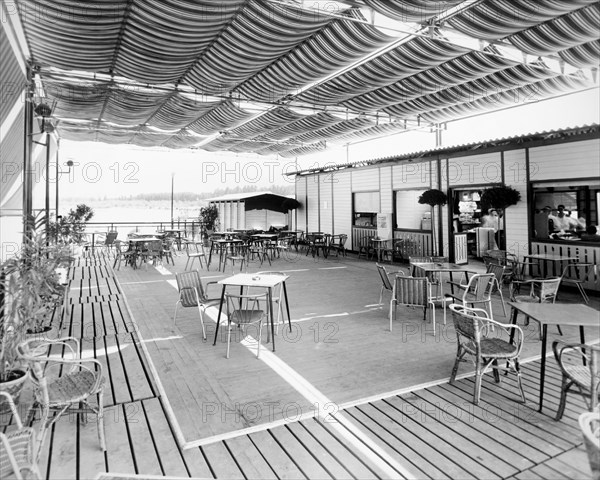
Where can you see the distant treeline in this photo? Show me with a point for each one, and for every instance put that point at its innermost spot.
(193, 197)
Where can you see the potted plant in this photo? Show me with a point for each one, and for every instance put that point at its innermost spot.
(30, 290)
(208, 218)
(499, 198)
(433, 197)
(71, 229)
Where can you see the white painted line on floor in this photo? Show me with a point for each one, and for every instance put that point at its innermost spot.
(142, 282)
(331, 268)
(162, 270)
(328, 413)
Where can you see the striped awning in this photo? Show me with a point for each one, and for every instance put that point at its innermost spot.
(291, 77)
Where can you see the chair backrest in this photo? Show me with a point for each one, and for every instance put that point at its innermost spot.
(420, 259)
(480, 287)
(385, 279)
(111, 237)
(578, 271)
(411, 291)
(245, 308)
(468, 322)
(439, 259)
(497, 271)
(547, 289)
(188, 283)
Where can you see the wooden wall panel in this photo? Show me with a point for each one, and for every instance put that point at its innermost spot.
(565, 160)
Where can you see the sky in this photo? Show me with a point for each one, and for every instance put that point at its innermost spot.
(102, 170)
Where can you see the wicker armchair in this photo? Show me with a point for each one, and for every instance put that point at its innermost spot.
(63, 382)
(472, 326)
(586, 378)
(17, 452)
(590, 428)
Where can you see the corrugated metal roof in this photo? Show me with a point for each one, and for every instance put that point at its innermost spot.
(234, 197)
(480, 145)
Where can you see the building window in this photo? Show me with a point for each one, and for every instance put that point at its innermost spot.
(565, 210)
(365, 208)
(410, 214)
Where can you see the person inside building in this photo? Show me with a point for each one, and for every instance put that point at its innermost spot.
(561, 221)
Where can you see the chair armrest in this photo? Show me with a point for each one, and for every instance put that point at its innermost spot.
(506, 328)
(559, 347)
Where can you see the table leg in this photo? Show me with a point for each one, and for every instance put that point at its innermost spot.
(543, 365)
(219, 315)
(287, 306)
(582, 339)
(270, 294)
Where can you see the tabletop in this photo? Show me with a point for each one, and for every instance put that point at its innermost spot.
(441, 267)
(142, 239)
(266, 236)
(549, 256)
(561, 314)
(253, 280)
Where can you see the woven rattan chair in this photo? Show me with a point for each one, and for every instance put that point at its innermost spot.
(243, 312)
(192, 295)
(63, 382)
(577, 274)
(413, 292)
(17, 452)
(589, 422)
(472, 327)
(585, 377)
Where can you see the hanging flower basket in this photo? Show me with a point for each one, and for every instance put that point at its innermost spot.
(500, 197)
(433, 197)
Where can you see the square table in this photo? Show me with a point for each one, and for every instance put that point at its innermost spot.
(431, 267)
(544, 258)
(261, 281)
(562, 314)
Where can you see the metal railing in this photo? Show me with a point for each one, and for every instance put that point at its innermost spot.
(190, 228)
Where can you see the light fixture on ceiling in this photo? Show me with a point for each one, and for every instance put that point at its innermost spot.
(45, 111)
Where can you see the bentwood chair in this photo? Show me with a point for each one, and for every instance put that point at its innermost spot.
(18, 445)
(473, 327)
(63, 382)
(192, 295)
(586, 378)
(243, 313)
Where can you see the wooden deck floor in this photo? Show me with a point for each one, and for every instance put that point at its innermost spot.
(175, 406)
